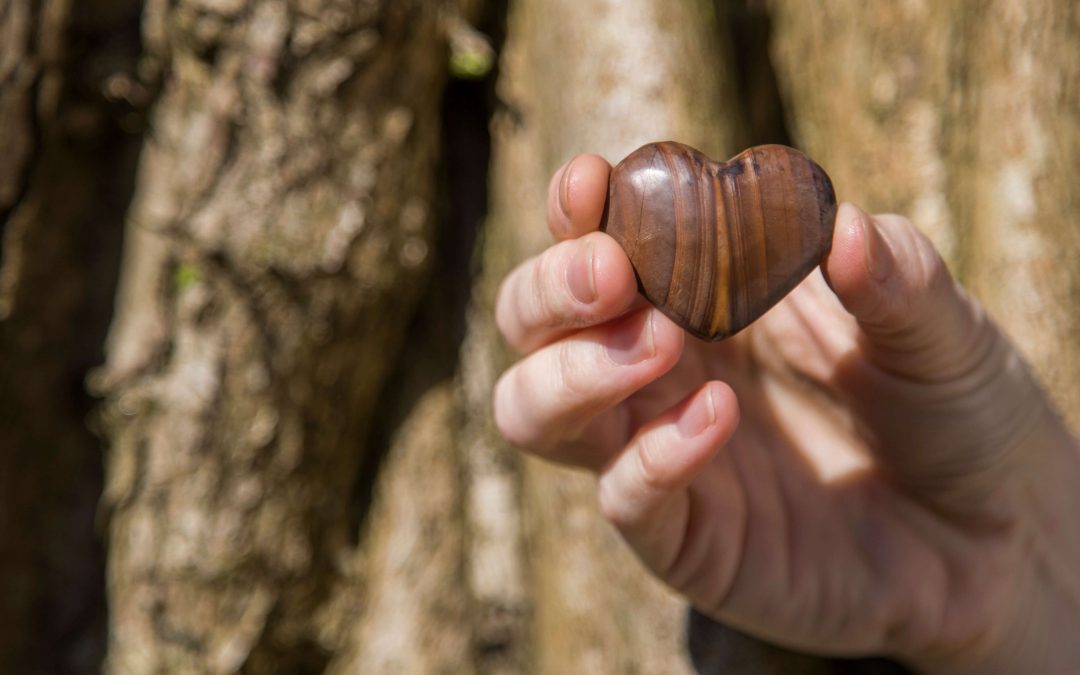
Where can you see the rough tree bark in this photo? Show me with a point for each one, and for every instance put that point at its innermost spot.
(67, 156)
(302, 474)
(403, 605)
(279, 237)
(964, 116)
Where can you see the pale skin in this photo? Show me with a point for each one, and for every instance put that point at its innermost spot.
(870, 468)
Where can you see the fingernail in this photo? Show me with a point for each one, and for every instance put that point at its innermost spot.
(579, 274)
(564, 188)
(699, 416)
(879, 257)
(628, 346)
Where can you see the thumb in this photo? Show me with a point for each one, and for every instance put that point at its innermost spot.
(943, 395)
(915, 320)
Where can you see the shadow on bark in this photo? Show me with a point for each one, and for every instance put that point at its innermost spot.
(434, 337)
(61, 223)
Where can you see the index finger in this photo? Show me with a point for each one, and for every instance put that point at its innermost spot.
(576, 196)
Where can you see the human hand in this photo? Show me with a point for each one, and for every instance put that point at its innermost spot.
(869, 468)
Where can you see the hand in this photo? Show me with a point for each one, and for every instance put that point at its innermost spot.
(869, 468)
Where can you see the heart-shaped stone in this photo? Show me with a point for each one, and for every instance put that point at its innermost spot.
(715, 245)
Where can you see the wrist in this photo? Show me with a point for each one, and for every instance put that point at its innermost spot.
(1037, 632)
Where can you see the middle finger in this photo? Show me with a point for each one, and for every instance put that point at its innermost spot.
(550, 397)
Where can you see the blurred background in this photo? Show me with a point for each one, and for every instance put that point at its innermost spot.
(249, 252)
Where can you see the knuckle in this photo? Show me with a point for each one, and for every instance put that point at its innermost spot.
(923, 284)
(877, 311)
(934, 274)
(930, 274)
(650, 464)
(503, 304)
(612, 503)
(557, 305)
(498, 408)
(932, 290)
(502, 411)
(938, 277)
(545, 398)
(545, 276)
(573, 380)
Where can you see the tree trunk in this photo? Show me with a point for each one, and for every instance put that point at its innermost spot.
(301, 472)
(576, 76)
(67, 157)
(963, 116)
(278, 241)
